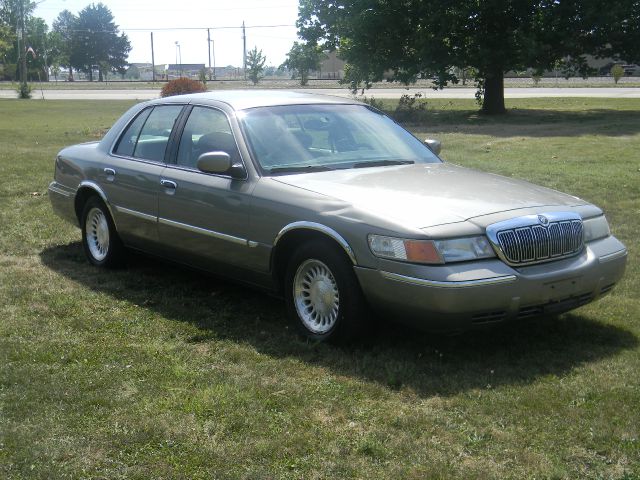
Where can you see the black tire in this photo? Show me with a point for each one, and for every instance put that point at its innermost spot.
(328, 275)
(100, 240)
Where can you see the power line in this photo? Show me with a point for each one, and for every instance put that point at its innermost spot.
(76, 30)
(204, 28)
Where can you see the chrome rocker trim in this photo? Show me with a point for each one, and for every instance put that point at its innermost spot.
(135, 213)
(204, 231)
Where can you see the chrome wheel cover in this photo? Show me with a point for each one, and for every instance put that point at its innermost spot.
(316, 296)
(97, 231)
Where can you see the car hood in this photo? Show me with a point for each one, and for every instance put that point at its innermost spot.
(425, 195)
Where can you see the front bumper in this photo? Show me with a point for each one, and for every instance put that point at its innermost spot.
(462, 296)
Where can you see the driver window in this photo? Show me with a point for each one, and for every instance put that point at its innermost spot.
(206, 130)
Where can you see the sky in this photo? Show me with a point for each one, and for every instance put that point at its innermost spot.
(186, 21)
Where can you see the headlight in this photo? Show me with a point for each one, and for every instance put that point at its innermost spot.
(595, 228)
(463, 249)
(431, 251)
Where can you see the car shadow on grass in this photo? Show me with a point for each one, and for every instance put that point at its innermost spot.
(394, 357)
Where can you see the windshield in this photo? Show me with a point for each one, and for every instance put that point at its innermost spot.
(307, 138)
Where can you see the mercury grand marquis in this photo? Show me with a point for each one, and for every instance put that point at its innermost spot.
(337, 208)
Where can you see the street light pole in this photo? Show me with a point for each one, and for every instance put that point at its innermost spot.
(179, 55)
(209, 47)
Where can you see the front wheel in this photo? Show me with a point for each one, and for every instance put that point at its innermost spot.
(100, 240)
(323, 294)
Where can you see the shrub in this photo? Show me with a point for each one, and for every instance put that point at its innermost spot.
(373, 102)
(181, 86)
(617, 71)
(410, 108)
(24, 90)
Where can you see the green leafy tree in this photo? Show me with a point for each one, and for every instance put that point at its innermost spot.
(428, 38)
(617, 72)
(55, 70)
(96, 42)
(61, 39)
(132, 73)
(39, 54)
(12, 12)
(302, 59)
(6, 41)
(255, 65)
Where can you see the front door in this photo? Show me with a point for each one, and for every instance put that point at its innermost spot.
(204, 218)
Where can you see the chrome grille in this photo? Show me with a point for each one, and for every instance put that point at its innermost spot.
(538, 243)
(537, 238)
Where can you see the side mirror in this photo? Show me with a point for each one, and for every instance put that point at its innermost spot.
(434, 145)
(214, 162)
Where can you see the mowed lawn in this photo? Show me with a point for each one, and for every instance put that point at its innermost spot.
(159, 372)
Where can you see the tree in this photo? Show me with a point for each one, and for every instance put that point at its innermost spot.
(428, 38)
(97, 43)
(39, 51)
(617, 72)
(15, 14)
(132, 73)
(302, 59)
(61, 39)
(6, 39)
(255, 64)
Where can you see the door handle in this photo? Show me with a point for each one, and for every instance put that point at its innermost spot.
(110, 173)
(168, 184)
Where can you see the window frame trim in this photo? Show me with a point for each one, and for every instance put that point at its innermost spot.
(179, 131)
(177, 125)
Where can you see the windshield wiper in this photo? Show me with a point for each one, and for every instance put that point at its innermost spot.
(382, 163)
(305, 168)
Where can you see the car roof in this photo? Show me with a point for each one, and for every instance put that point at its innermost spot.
(245, 99)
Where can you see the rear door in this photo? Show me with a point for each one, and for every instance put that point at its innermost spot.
(131, 179)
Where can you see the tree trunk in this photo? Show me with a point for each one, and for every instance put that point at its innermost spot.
(493, 101)
(90, 74)
(70, 74)
(100, 77)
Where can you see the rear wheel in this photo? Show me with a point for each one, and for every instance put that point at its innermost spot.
(323, 294)
(100, 240)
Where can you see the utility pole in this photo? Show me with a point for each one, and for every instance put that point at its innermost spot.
(153, 61)
(209, 47)
(244, 51)
(22, 51)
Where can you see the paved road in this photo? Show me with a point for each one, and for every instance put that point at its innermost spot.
(602, 92)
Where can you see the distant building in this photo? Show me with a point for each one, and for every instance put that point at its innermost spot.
(144, 71)
(229, 72)
(189, 70)
(331, 67)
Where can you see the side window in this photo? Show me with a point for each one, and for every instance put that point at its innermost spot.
(154, 136)
(206, 130)
(127, 142)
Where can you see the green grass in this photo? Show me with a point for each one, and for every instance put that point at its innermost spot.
(159, 372)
